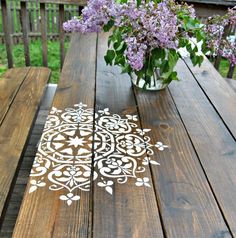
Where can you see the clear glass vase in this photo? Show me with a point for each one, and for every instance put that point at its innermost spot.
(156, 83)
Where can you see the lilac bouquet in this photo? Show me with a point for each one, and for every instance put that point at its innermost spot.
(146, 35)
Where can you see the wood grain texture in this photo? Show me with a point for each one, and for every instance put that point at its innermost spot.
(6, 30)
(24, 20)
(232, 83)
(231, 71)
(16, 126)
(9, 86)
(131, 211)
(187, 205)
(212, 141)
(218, 91)
(62, 33)
(44, 34)
(42, 213)
(24, 171)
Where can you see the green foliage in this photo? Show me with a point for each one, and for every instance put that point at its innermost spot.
(35, 56)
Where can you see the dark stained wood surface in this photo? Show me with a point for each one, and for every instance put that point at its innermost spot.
(215, 146)
(219, 93)
(16, 124)
(131, 211)
(187, 206)
(191, 193)
(9, 86)
(42, 214)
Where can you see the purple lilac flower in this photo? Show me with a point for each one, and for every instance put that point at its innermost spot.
(232, 14)
(135, 53)
(96, 14)
(153, 25)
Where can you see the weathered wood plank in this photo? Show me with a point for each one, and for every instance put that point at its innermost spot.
(187, 205)
(232, 83)
(231, 71)
(18, 190)
(62, 33)
(9, 86)
(16, 125)
(6, 30)
(42, 213)
(131, 211)
(215, 146)
(43, 25)
(218, 91)
(24, 21)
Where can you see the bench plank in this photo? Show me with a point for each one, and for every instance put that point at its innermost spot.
(9, 86)
(187, 205)
(42, 213)
(221, 95)
(131, 210)
(17, 123)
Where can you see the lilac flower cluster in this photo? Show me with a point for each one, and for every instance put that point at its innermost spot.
(135, 53)
(96, 14)
(152, 25)
(215, 28)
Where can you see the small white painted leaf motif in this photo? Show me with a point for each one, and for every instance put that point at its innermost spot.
(69, 198)
(132, 117)
(160, 146)
(142, 132)
(107, 185)
(104, 111)
(32, 188)
(143, 182)
(35, 184)
(64, 158)
(147, 160)
(109, 190)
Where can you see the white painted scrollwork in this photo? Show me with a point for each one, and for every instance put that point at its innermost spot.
(72, 150)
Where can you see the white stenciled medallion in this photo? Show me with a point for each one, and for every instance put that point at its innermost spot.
(73, 149)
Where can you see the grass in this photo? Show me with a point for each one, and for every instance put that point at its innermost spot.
(35, 57)
(224, 67)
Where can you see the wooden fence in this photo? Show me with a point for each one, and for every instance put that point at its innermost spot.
(50, 15)
(34, 19)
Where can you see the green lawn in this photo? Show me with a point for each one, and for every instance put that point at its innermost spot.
(224, 67)
(35, 57)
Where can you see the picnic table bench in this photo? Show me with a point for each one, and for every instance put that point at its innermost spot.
(96, 172)
(21, 90)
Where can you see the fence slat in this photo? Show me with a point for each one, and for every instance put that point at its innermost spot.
(44, 33)
(231, 72)
(62, 33)
(24, 21)
(7, 33)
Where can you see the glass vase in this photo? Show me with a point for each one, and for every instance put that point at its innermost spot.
(155, 84)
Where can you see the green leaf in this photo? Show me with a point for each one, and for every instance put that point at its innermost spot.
(108, 26)
(109, 57)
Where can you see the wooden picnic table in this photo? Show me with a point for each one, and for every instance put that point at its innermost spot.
(96, 173)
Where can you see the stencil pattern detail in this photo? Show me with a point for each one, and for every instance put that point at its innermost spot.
(64, 159)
